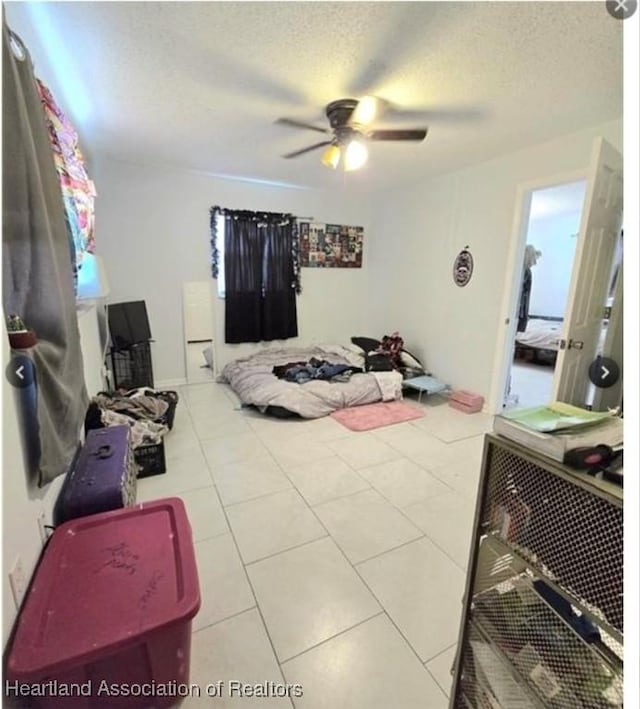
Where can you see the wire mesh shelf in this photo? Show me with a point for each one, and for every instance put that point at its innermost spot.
(559, 653)
(567, 533)
(487, 681)
(543, 619)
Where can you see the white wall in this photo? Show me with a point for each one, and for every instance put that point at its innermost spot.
(417, 233)
(556, 238)
(20, 534)
(152, 229)
(21, 504)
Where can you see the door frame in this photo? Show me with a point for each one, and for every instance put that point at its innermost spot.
(511, 293)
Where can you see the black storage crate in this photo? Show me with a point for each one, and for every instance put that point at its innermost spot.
(150, 460)
(171, 397)
(132, 366)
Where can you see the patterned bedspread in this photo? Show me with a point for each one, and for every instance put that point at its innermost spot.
(253, 381)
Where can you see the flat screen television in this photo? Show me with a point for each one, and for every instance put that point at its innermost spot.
(128, 323)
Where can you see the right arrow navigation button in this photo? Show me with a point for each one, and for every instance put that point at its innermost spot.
(604, 372)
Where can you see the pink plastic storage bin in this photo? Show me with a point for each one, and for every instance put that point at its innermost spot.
(108, 615)
(466, 401)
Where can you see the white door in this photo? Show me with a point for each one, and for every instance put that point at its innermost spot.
(198, 311)
(599, 230)
(610, 397)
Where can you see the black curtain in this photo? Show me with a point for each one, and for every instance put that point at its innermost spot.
(260, 279)
(525, 295)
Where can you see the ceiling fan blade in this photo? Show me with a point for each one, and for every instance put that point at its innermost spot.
(400, 134)
(444, 114)
(306, 150)
(300, 124)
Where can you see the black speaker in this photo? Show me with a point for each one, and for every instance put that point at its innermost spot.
(128, 324)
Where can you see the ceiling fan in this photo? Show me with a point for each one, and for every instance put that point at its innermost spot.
(350, 120)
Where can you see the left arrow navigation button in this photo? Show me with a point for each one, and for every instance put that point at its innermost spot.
(20, 371)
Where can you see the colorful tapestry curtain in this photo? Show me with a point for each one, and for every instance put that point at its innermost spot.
(78, 191)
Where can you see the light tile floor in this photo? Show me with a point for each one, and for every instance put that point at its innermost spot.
(329, 559)
(531, 383)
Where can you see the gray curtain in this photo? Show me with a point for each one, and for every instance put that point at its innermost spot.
(37, 270)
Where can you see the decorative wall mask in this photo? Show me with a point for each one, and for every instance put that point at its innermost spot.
(463, 267)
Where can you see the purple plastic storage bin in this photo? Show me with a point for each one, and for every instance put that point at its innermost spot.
(109, 612)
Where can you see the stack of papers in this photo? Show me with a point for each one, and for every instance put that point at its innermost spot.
(559, 427)
(556, 416)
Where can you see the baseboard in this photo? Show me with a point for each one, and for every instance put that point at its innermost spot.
(168, 383)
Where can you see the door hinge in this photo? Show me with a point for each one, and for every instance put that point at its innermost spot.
(607, 312)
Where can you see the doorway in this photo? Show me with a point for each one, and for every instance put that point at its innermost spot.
(581, 327)
(550, 237)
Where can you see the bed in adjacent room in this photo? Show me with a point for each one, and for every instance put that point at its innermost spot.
(253, 379)
(541, 338)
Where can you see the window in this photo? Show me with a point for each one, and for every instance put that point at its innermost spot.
(255, 262)
(219, 237)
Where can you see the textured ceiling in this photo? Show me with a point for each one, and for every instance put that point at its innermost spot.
(199, 85)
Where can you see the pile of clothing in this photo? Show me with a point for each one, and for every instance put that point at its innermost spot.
(389, 354)
(321, 369)
(148, 413)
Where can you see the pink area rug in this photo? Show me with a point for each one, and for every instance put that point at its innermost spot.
(364, 418)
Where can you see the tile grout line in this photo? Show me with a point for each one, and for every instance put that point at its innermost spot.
(446, 553)
(353, 566)
(282, 551)
(371, 487)
(248, 579)
(378, 601)
(335, 541)
(254, 499)
(223, 620)
(386, 612)
(387, 551)
(334, 499)
(435, 681)
(332, 637)
(212, 536)
(440, 653)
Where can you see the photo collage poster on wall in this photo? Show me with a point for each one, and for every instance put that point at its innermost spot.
(330, 245)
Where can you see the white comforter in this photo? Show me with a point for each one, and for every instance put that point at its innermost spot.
(543, 334)
(253, 381)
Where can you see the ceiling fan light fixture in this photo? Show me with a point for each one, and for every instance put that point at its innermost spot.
(366, 111)
(331, 156)
(355, 155)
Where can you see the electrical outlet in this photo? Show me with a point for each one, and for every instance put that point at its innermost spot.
(18, 581)
(42, 528)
